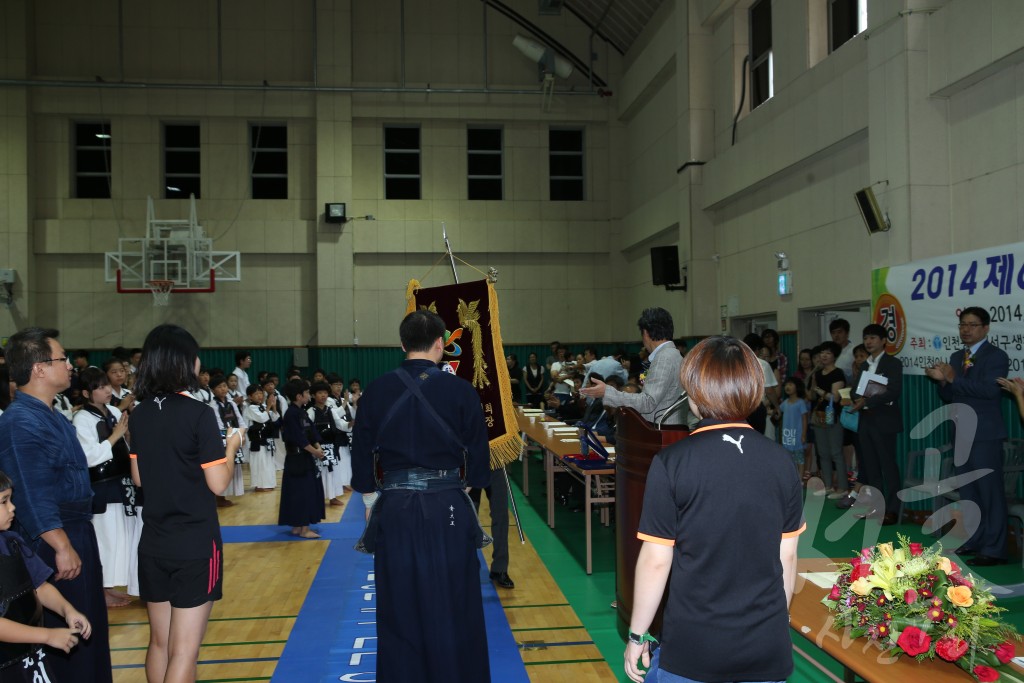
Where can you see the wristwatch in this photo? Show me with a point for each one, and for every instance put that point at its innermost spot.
(641, 638)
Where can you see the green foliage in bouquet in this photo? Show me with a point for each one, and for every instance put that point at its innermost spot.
(912, 600)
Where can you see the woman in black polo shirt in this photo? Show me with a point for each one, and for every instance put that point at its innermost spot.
(179, 459)
(722, 512)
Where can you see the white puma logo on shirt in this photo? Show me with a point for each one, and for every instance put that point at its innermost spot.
(734, 442)
(159, 401)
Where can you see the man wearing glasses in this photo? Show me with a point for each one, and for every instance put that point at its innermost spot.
(40, 452)
(968, 381)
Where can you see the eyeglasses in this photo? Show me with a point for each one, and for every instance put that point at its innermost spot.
(62, 359)
(971, 325)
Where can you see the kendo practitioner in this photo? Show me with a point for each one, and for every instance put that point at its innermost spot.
(421, 440)
(40, 452)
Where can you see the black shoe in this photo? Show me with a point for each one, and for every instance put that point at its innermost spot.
(502, 579)
(985, 561)
(890, 518)
(963, 551)
(846, 502)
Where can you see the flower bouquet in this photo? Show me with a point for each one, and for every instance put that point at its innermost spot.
(910, 599)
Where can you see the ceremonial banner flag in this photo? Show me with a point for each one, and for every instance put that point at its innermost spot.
(919, 304)
(474, 352)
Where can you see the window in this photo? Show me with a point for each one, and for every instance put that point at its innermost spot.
(269, 145)
(846, 18)
(181, 160)
(92, 160)
(761, 86)
(401, 162)
(565, 164)
(484, 163)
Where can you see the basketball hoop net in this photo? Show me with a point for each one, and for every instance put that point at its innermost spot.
(161, 290)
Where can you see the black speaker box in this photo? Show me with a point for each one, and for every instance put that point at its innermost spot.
(665, 265)
(874, 220)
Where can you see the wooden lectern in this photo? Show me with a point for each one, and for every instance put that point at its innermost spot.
(637, 441)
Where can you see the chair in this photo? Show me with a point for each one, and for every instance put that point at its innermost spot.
(923, 477)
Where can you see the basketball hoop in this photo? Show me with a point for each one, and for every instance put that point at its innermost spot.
(161, 290)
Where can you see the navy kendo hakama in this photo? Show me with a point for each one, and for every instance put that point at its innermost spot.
(430, 620)
(302, 491)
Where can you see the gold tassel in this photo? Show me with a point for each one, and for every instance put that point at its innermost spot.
(507, 448)
(410, 295)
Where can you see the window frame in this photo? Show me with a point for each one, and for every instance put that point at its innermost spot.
(481, 152)
(762, 59)
(105, 147)
(418, 152)
(861, 22)
(255, 149)
(582, 154)
(168, 177)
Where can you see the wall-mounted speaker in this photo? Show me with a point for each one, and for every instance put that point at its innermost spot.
(874, 219)
(665, 265)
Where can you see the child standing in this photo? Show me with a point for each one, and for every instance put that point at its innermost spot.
(202, 392)
(21, 627)
(234, 395)
(302, 493)
(794, 421)
(116, 502)
(326, 424)
(263, 421)
(228, 418)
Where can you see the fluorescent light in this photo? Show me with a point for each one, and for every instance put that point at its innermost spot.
(173, 189)
(103, 136)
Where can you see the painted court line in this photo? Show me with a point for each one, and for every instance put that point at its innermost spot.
(335, 632)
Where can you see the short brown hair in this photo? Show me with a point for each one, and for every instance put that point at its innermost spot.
(723, 378)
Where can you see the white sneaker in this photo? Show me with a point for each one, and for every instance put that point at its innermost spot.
(820, 492)
(836, 494)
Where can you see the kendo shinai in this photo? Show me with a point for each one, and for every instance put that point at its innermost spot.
(420, 439)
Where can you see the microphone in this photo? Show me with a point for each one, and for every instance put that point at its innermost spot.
(671, 409)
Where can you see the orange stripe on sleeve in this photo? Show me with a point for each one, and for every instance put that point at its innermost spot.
(654, 539)
(207, 465)
(791, 534)
(133, 456)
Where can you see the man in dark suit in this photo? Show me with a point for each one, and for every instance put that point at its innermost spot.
(969, 382)
(880, 422)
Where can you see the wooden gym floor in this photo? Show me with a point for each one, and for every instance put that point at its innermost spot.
(267, 583)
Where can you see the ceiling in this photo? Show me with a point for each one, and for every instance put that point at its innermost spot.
(617, 21)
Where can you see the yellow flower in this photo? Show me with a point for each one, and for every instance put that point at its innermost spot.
(959, 595)
(885, 549)
(861, 586)
(944, 564)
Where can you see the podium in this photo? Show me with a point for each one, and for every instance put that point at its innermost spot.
(637, 441)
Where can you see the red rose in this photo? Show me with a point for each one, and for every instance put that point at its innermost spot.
(916, 549)
(861, 570)
(1005, 652)
(985, 674)
(834, 595)
(950, 649)
(914, 641)
(910, 596)
(855, 561)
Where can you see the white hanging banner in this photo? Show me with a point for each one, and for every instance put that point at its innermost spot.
(919, 304)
